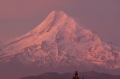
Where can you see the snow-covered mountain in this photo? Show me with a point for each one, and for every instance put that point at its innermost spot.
(60, 42)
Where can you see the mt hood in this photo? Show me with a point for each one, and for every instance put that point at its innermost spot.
(59, 43)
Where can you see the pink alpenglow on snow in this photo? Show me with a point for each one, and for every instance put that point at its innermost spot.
(60, 44)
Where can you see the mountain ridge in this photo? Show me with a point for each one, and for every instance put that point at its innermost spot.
(86, 75)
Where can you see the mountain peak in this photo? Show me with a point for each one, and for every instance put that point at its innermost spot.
(56, 15)
(55, 12)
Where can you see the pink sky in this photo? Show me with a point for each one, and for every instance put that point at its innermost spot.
(18, 17)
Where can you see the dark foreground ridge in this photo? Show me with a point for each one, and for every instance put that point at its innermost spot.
(85, 75)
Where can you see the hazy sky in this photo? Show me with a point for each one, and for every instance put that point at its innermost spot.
(18, 17)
